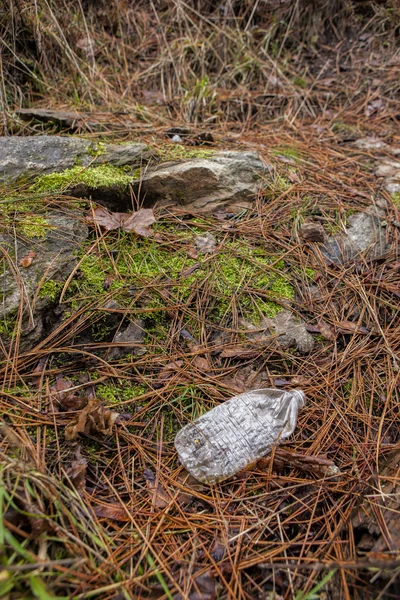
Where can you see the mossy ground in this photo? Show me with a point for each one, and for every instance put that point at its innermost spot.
(101, 176)
(157, 274)
(396, 199)
(171, 152)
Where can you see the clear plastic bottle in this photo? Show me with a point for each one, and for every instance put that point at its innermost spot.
(236, 433)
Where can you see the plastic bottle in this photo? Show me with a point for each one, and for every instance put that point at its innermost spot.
(236, 433)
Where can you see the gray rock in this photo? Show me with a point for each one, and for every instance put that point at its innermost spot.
(389, 169)
(130, 339)
(225, 179)
(205, 243)
(38, 155)
(312, 232)
(290, 331)
(371, 143)
(54, 260)
(392, 187)
(365, 234)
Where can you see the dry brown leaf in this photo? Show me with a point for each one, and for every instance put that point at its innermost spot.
(239, 352)
(65, 398)
(167, 371)
(27, 260)
(112, 511)
(321, 466)
(77, 472)
(204, 588)
(202, 363)
(95, 418)
(350, 327)
(327, 330)
(139, 222)
(159, 496)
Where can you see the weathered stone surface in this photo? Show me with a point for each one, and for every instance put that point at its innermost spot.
(20, 286)
(290, 331)
(38, 155)
(225, 179)
(312, 232)
(129, 340)
(365, 234)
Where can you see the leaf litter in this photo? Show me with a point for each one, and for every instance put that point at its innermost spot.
(138, 222)
(319, 503)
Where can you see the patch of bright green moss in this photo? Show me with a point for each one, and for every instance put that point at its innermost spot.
(34, 226)
(159, 274)
(50, 289)
(7, 324)
(300, 82)
(101, 176)
(396, 198)
(171, 152)
(115, 393)
(288, 152)
(97, 149)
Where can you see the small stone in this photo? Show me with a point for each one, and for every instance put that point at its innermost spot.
(205, 243)
(229, 180)
(131, 339)
(364, 234)
(312, 232)
(370, 143)
(392, 187)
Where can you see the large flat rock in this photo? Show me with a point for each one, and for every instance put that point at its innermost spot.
(225, 179)
(54, 257)
(42, 154)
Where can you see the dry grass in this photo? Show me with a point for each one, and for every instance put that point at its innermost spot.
(199, 61)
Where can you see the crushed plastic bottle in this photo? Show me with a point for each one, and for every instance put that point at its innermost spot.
(236, 433)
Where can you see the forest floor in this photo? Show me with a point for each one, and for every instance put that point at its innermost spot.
(109, 513)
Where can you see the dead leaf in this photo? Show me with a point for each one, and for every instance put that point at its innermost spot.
(167, 371)
(77, 472)
(190, 484)
(159, 496)
(321, 466)
(203, 588)
(327, 330)
(114, 512)
(95, 418)
(27, 260)
(202, 363)
(240, 352)
(374, 107)
(63, 397)
(350, 327)
(139, 222)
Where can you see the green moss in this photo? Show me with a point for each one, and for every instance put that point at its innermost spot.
(50, 289)
(300, 82)
(396, 198)
(7, 324)
(287, 151)
(171, 152)
(115, 393)
(33, 226)
(97, 149)
(159, 275)
(101, 176)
